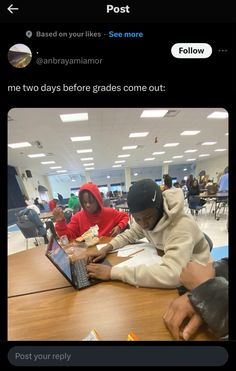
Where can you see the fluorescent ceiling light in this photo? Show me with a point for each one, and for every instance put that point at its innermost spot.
(90, 164)
(47, 162)
(89, 168)
(191, 159)
(55, 167)
(129, 147)
(218, 115)
(19, 145)
(149, 159)
(190, 132)
(154, 113)
(171, 144)
(138, 135)
(158, 153)
(120, 162)
(208, 143)
(80, 139)
(116, 165)
(37, 155)
(185, 169)
(220, 150)
(71, 117)
(61, 171)
(108, 176)
(135, 174)
(86, 159)
(84, 150)
(204, 155)
(167, 161)
(177, 156)
(120, 156)
(190, 150)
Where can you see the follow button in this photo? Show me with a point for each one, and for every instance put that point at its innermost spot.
(191, 50)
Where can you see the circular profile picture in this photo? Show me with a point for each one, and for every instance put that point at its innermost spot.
(19, 55)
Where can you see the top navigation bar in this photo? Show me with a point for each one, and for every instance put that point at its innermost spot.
(14, 11)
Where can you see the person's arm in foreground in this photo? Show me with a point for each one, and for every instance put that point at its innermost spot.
(207, 302)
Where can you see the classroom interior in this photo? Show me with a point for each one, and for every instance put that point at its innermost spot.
(56, 150)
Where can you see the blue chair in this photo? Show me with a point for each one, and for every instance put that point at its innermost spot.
(194, 204)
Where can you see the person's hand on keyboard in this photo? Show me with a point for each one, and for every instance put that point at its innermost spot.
(99, 255)
(100, 271)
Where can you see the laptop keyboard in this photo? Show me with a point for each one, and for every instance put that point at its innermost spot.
(80, 274)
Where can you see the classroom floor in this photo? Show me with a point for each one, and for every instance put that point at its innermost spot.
(215, 229)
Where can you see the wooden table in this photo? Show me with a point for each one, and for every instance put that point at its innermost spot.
(217, 199)
(43, 306)
(30, 271)
(47, 215)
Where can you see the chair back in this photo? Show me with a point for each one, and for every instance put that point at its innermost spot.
(27, 228)
(194, 202)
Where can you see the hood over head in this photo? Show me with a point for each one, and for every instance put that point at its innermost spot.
(93, 189)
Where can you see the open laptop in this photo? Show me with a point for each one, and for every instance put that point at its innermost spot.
(74, 271)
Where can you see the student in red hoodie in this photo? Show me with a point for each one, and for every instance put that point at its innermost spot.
(52, 204)
(110, 221)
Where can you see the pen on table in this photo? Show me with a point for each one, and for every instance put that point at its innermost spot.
(136, 252)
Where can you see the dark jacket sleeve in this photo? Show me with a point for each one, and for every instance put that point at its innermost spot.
(210, 299)
(221, 267)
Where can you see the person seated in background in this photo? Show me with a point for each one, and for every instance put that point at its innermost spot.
(167, 182)
(38, 204)
(194, 189)
(106, 201)
(60, 198)
(209, 183)
(32, 213)
(194, 200)
(206, 301)
(224, 181)
(110, 194)
(110, 221)
(160, 217)
(74, 203)
(177, 185)
(52, 204)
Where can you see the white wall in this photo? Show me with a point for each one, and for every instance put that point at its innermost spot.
(213, 166)
(31, 184)
(63, 184)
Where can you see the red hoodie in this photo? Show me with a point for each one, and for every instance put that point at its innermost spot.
(106, 218)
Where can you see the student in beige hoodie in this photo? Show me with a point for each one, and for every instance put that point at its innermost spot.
(160, 217)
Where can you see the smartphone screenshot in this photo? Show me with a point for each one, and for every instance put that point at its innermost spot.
(117, 121)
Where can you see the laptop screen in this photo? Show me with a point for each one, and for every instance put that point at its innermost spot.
(59, 257)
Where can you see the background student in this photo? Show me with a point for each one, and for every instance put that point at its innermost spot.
(110, 221)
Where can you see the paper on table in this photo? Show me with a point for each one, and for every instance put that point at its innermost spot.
(145, 257)
(130, 249)
(101, 245)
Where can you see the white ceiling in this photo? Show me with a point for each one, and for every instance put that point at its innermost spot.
(109, 129)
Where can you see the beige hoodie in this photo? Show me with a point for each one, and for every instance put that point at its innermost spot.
(177, 234)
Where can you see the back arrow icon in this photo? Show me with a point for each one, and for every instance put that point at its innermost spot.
(10, 8)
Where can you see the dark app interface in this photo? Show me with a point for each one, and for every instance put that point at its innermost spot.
(110, 93)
